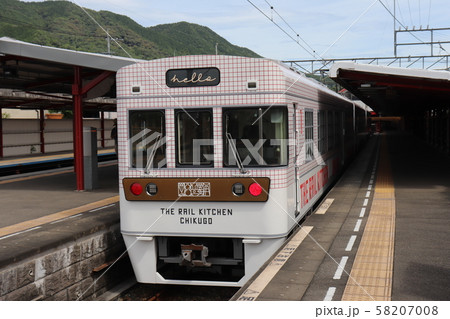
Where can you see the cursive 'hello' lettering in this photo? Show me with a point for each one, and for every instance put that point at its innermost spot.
(193, 79)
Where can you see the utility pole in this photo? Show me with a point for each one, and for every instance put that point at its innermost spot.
(395, 33)
(108, 42)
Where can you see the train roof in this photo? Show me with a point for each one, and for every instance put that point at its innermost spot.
(293, 73)
(281, 77)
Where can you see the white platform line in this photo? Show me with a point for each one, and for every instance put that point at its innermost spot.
(350, 243)
(63, 219)
(340, 268)
(366, 201)
(330, 294)
(357, 225)
(368, 194)
(100, 208)
(363, 211)
(20, 232)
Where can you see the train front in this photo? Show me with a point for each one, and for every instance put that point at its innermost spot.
(206, 193)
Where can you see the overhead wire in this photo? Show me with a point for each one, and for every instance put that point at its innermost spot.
(429, 13)
(420, 22)
(313, 53)
(420, 14)
(437, 45)
(398, 7)
(132, 58)
(410, 14)
(401, 24)
(298, 35)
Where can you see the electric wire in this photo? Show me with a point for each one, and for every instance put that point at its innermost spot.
(289, 26)
(400, 11)
(439, 46)
(410, 15)
(420, 14)
(132, 58)
(401, 24)
(284, 31)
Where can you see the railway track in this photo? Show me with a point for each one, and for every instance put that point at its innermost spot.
(150, 292)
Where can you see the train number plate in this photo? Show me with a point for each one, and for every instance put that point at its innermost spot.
(194, 189)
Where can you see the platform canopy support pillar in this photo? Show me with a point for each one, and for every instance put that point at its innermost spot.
(102, 128)
(78, 91)
(78, 127)
(1, 133)
(41, 130)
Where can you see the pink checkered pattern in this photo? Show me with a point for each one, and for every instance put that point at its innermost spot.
(277, 85)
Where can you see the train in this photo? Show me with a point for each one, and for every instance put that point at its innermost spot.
(220, 158)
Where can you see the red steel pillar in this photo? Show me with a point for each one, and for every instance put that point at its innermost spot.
(1, 133)
(41, 130)
(102, 128)
(78, 127)
(77, 92)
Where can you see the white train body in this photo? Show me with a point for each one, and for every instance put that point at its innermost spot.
(190, 212)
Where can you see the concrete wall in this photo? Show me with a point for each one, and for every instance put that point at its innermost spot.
(66, 272)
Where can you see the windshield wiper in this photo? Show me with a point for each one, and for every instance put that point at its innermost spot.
(236, 154)
(152, 153)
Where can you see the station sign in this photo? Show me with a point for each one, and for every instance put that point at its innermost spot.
(192, 77)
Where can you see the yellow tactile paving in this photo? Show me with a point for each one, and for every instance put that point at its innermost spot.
(371, 274)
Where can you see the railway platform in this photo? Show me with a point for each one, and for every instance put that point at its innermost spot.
(34, 162)
(382, 233)
(56, 242)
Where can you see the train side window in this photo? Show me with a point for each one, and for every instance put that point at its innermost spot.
(322, 138)
(309, 135)
(194, 138)
(331, 136)
(260, 135)
(147, 139)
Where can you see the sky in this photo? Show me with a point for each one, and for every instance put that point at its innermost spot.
(325, 28)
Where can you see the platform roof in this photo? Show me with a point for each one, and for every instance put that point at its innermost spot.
(41, 77)
(34, 68)
(394, 91)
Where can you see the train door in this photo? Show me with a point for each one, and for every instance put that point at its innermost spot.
(297, 151)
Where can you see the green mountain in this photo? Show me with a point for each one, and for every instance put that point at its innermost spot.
(63, 24)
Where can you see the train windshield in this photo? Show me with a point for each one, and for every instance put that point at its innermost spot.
(194, 138)
(147, 139)
(259, 134)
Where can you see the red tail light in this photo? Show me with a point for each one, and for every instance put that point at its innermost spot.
(136, 189)
(255, 189)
